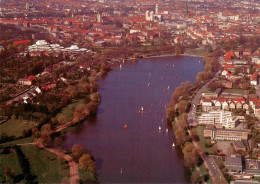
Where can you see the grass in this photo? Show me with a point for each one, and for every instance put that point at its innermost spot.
(204, 171)
(19, 141)
(86, 177)
(238, 91)
(197, 52)
(219, 162)
(11, 161)
(45, 165)
(199, 130)
(256, 179)
(69, 109)
(15, 127)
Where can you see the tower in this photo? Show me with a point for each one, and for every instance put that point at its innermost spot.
(99, 18)
(151, 16)
(147, 15)
(156, 9)
(27, 7)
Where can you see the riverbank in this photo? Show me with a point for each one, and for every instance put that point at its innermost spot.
(168, 55)
(181, 104)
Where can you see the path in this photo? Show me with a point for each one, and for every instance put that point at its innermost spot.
(74, 174)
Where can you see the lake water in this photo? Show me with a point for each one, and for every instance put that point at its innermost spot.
(141, 153)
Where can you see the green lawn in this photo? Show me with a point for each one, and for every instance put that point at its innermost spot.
(197, 52)
(238, 91)
(11, 161)
(202, 140)
(86, 177)
(204, 171)
(45, 165)
(69, 110)
(256, 179)
(19, 141)
(15, 127)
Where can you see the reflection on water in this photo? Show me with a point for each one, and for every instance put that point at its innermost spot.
(136, 96)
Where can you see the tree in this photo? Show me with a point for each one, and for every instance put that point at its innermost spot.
(86, 163)
(77, 151)
(182, 106)
(180, 136)
(196, 177)
(62, 119)
(9, 175)
(191, 156)
(177, 51)
(79, 112)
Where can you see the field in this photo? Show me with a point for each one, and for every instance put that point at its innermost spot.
(204, 171)
(11, 161)
(69, 110)
(238, 91)
(15, 127)
(45, 165)
(202, 140)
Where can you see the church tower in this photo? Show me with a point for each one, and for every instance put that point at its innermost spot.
(156, 9)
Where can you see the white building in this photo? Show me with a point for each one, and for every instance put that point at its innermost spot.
(219, 119)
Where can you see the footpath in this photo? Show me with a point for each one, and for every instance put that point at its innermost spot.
(74, 174)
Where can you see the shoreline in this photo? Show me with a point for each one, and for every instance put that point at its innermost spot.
(168, 55)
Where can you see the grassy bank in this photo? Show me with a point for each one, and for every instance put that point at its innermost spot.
(45, 166)
(199, 130)
(15, 127)
(68, 111)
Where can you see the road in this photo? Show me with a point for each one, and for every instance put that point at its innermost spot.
(195, 101)
(209, 161)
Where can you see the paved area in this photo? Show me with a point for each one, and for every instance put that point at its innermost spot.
(224, 147)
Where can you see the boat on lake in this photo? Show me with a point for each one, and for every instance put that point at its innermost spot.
(173, 145)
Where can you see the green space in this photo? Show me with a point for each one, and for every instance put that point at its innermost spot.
(87, 177)
(205, 172)
(199, 130)
(15, 127)
(197, 52)
(238, 91)
(256, 179)
(69, 109)
(46, 166)
(11, 161)
(18, 141)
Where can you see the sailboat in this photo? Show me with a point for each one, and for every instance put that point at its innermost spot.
(168, 87)
(160, 128)
(167, 130)
(173, 145)
(125, 127)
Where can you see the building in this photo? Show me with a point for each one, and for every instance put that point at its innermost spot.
(219, 119)
(42, 47)
(252, 167)
(225, 134)
(233, 163)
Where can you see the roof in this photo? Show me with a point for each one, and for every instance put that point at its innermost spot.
(233, 160)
